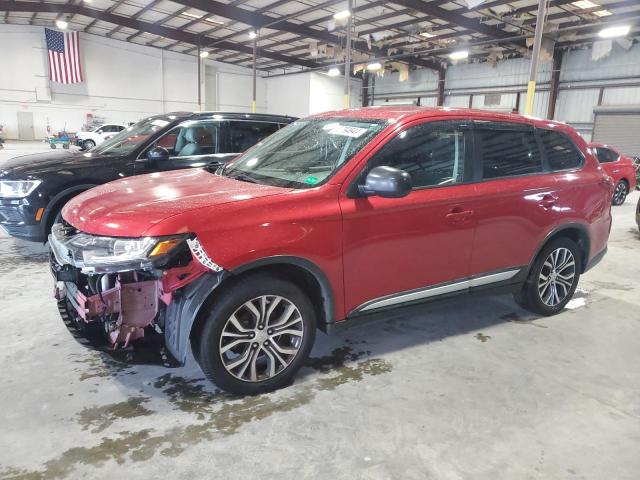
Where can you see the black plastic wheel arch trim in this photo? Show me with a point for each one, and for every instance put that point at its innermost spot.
(328, 299)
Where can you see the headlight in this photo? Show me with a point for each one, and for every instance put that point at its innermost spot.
(109, 251)
(17, 188)
(104, 254)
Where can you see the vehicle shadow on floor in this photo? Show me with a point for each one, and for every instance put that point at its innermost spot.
(374, 339)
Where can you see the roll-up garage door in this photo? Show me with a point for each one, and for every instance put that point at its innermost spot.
(618, 127)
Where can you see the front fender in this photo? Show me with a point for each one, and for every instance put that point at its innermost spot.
(181, 314)
(67, 193)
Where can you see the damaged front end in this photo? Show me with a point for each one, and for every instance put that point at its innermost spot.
(114, 291)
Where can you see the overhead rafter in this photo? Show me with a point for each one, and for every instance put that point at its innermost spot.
(454, 18)
(136, 24)
(140, 12)
(260, 20)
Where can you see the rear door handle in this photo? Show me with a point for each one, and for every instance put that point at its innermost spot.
(548, 201)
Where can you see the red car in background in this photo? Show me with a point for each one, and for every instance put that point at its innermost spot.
(334, 217)
(619, 167)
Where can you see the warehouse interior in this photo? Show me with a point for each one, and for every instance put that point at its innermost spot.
(465, 387)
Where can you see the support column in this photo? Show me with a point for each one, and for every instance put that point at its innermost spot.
(347, 64)
(537, 42)
(441, 79)
(365, 89)
(555, 82)
(199, 76)
(255, 69)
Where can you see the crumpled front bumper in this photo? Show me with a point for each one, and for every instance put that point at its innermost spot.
(168, 300)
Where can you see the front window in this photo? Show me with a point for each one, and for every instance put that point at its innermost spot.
(131, 138)
(304, 154)
(192, 138)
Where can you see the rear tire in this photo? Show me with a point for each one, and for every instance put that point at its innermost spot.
(620, 193)
(553, 278)
(257, 335)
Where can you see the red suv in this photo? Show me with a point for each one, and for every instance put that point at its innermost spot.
(333, 217)
(621, 168)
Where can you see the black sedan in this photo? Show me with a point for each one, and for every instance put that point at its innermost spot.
(34, 188)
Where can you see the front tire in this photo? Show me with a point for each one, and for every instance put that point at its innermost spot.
(553, 278)
(620, 193)
(257, 335)
(88, 144)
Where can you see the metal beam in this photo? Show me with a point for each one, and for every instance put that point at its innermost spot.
(258, 20)
(144, 9)
(135, 24)
(441, 79)
(555, 82)
(453, 17)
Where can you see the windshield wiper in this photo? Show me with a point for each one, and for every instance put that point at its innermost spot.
(243, 178)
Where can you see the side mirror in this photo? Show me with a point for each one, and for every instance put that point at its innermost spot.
(387, 182)
(157, 154)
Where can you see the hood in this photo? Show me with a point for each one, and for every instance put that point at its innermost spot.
(130, 207)
(20, 168)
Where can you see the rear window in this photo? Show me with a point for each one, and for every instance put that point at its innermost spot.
(560, 151)
(245, 134)
(605, 155)
(507, 152)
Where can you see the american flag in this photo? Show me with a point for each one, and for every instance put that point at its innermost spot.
(64, 56)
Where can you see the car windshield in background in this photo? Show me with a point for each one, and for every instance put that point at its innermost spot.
(130, 138)
(304, 154)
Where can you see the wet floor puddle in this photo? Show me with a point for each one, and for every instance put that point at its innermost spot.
(482, 337)
(217, 414)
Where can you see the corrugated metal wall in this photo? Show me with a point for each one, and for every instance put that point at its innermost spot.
(614, 80)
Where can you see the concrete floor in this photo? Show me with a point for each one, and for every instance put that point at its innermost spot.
(476, 388)
(14, 148)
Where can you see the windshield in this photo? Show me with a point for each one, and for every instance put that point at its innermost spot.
(305, 153)
(131, 137)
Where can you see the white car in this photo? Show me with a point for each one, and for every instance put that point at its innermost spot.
(88, 140)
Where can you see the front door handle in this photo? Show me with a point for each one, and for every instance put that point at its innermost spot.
(458, 216)
(548, 201)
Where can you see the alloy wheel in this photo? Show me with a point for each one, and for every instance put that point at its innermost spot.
(261, 338)
(620, 193)
(557, 276)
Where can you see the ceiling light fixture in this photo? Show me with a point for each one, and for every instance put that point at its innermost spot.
(342, 14)
(334, 72)
(459, 55)
(252, 34)
(204, 54)
(374, 66)
(62, 24)
(427, 35)
(617, 31)
(585, 4)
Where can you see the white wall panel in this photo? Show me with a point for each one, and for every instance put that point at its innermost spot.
(235, 92)
(456, 101)
(576, 105)
(621, 96)
(577, 64)
(505, 73)
(419, 81)
(429, 101)
(289, 94)
(507, 102)
(123, 83)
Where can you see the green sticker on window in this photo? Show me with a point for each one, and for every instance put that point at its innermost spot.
(311, 180)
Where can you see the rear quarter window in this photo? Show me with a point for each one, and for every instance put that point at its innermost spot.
(560, 151)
